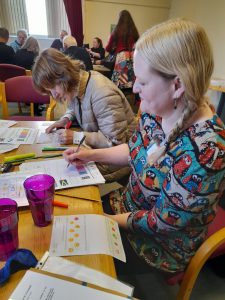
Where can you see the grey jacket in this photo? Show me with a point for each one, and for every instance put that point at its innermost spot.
(102, 112)
(104, 115)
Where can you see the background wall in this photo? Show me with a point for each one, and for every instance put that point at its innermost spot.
(100, 14)
(210, 14)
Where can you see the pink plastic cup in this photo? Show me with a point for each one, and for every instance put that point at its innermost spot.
(8, 228)
(40, 190)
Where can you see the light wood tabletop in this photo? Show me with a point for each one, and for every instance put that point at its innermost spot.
(37, 239)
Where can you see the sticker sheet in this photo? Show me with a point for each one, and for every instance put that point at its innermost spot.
(86, 234)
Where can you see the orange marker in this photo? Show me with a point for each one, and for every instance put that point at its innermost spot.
(60, 204)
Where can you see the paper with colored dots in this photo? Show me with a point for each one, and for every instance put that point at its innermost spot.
(86, 234)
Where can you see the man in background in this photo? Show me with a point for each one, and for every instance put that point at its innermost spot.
(21, 38)
(71, 49)
(6, 52)
(58, 43)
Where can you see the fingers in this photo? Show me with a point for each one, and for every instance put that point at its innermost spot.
(50, 128)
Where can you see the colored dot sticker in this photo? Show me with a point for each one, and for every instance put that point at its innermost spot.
(76, 218)
(114, 236)
(115, 244)
(113, 229)
(77, 226)
(76, 245)
(70, 250)
(76, 235)
(70, 240)
(71, 222)
(71, 230)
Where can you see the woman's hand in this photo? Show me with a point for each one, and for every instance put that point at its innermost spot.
(65, 136)
(83, 155)
(58, 124)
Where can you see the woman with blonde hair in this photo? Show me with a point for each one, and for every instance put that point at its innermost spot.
(98, 106)
(177, 154)
(25, 56)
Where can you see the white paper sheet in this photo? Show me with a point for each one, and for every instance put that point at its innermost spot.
(7, 147)
(36, 286)
(86, 174)
(50, 138)
(86, 234)
(18, 135)
(7, 123)
(62, 266)
(11, 186)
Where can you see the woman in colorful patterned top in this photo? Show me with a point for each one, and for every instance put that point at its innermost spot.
(177, 154)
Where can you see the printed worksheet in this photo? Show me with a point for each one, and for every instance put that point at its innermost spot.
(86, 234)
(18, 135)
(41, 286)
(50, 138)
(11, 186)
(7, 147)
(66, 176)
(7, 123)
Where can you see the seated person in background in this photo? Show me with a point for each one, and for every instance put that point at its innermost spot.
(25, 58)
(21, 38)
(6, 52)
(100, 108)
(97, 51)
(58, 43)
(75, 52)
(108, 62)
(177, 154)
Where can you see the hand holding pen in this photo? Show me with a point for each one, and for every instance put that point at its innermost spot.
(78, 147)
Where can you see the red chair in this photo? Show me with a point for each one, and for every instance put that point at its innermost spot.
(9, 71)
(20, 89)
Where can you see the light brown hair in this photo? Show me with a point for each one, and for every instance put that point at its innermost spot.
(54, 68)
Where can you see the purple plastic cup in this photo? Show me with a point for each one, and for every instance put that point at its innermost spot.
(8, 228)
(40, 190)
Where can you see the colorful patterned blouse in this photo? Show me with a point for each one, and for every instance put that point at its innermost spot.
(173, 201)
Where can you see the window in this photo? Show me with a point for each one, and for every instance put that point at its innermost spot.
(36, 16)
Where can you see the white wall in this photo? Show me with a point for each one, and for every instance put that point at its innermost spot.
(211, 15)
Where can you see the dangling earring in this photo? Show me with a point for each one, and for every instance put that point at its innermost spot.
(175, 103)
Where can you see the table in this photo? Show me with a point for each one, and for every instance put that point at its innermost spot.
(37, 239)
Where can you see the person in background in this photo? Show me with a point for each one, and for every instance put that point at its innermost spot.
(100, 108)
(25, 57)
(6, 52)
(108, 62)
(97, 51)
(58, 43)
(124, 35)
(75, 52)
(122, 41)
(21, 38)
(177, 154)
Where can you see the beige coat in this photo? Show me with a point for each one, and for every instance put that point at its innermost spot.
(104, 115)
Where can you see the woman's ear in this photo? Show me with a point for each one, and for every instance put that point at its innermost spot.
(178, 88)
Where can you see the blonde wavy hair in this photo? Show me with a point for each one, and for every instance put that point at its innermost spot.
(180, 48)
(31, 44)
(54, 68)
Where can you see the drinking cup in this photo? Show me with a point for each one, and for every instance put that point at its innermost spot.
(40, 190)
(8, 228)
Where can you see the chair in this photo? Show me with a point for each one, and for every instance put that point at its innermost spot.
(213, 246)
(20, 89)
(8, 71)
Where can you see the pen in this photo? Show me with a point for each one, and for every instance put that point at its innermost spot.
(78, 148)
(68, 124)
(60, 204)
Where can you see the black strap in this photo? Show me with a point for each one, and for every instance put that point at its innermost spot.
(79, 100)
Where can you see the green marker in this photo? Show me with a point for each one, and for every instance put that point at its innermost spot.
(54, 148)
